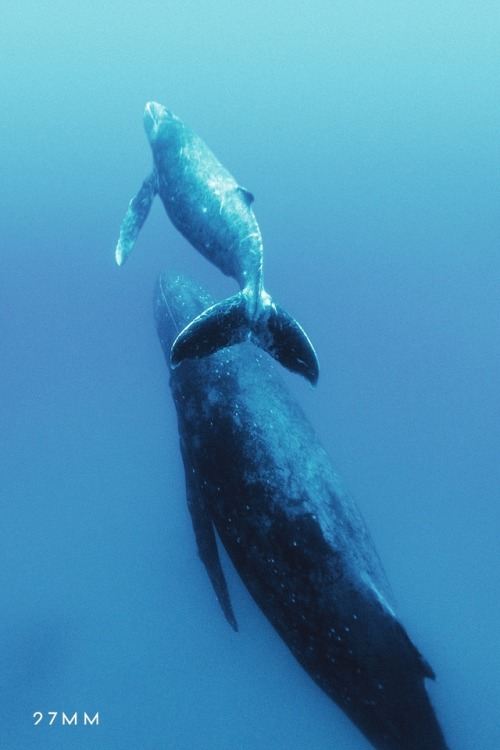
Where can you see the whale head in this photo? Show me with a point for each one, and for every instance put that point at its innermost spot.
(177, 300)
(155, 117)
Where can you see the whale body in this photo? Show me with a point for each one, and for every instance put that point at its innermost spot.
(257, 475)
(213, 212)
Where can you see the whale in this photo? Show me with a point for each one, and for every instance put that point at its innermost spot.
(259, 481)
(214, 213)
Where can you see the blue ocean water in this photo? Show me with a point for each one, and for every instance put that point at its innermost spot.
(369, 136)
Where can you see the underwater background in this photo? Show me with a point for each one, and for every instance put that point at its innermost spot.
(369, 135)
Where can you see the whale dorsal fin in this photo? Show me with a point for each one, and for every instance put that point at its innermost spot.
(247, 196)
(207, 545)
(136, 215)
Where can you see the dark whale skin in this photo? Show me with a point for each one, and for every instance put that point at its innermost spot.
(256, 470)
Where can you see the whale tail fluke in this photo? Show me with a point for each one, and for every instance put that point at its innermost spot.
(286, 341)
(137, 213)
(220, 325)
(228, 322)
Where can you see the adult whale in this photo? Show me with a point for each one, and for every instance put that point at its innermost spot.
(256, 472)
(213, 212)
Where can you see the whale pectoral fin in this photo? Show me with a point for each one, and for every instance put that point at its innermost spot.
(286, 341)
(207, 547)
(136, 215)
(221, 325)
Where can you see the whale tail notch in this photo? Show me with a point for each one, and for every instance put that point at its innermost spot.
(228, 322)
(137, 213)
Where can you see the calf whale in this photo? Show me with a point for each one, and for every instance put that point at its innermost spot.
(213, 212)
(257, 474)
